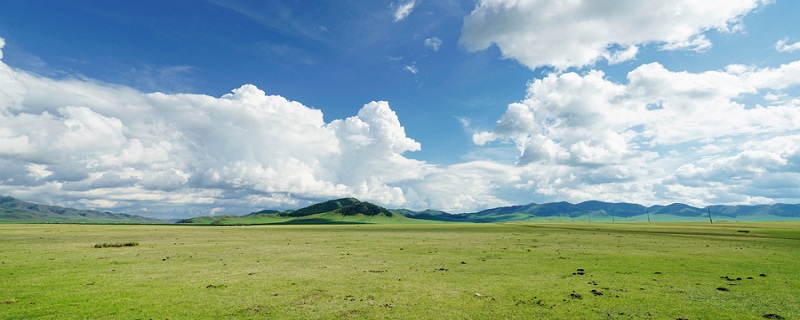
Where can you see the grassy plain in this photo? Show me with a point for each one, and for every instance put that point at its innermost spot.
(432, 271)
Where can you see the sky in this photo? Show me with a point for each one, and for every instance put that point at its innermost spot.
(184, 108)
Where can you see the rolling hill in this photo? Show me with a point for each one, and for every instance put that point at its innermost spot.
(339, 211)
(18, 211)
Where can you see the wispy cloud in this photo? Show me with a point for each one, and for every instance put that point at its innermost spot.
(412, 68)
(275, 16)
(782, 46)
(434, 43)
(403, 10)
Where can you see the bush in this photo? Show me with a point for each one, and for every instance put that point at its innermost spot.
(116, 245)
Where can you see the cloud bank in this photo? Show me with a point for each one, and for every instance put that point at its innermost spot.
(661, 135)
(82, 143)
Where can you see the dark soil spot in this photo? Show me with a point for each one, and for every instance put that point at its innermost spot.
(762, 275)
(442, 269)
(657, 272)
(772, 316)
(575, 296)
(462, 262)
(215, 286)
(722, 289)
(597, 293)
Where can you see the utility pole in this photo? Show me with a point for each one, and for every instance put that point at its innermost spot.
(709, 215)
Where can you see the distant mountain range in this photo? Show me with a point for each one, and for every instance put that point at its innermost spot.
(604, 211)
(14, 210)
(353, 211)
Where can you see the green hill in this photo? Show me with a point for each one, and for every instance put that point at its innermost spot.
(206, 220)
(18, 211)
(322, 207)
(338, 211)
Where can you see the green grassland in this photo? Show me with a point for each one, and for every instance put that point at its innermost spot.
(433, 271)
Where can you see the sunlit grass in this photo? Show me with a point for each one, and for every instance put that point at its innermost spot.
(477, 271)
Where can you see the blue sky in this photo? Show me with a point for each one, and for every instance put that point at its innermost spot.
(182, 108)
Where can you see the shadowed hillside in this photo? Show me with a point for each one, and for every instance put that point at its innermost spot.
(339, 211)
(321, 207)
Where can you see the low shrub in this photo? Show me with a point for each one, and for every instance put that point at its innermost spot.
(116, 245)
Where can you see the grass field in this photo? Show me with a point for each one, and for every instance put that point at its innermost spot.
(433, 271)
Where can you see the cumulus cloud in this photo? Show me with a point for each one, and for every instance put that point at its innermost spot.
(579, 33)
(82, 143)
(403, 9)
(434, 43)
(781, 46)
(583, 132)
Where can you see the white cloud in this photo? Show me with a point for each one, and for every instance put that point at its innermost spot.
(662, 135)
(782, 46)
(403, 9)
(434, 43)
(622, 55)
(412, 68)
(465, 186)
(697, 43)
(77, 142)
(579, 33)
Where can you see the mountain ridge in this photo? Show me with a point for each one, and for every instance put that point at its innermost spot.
(15, 210)
(611, 211)
(351, 210)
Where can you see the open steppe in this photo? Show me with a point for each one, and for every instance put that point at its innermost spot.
(434, 271)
